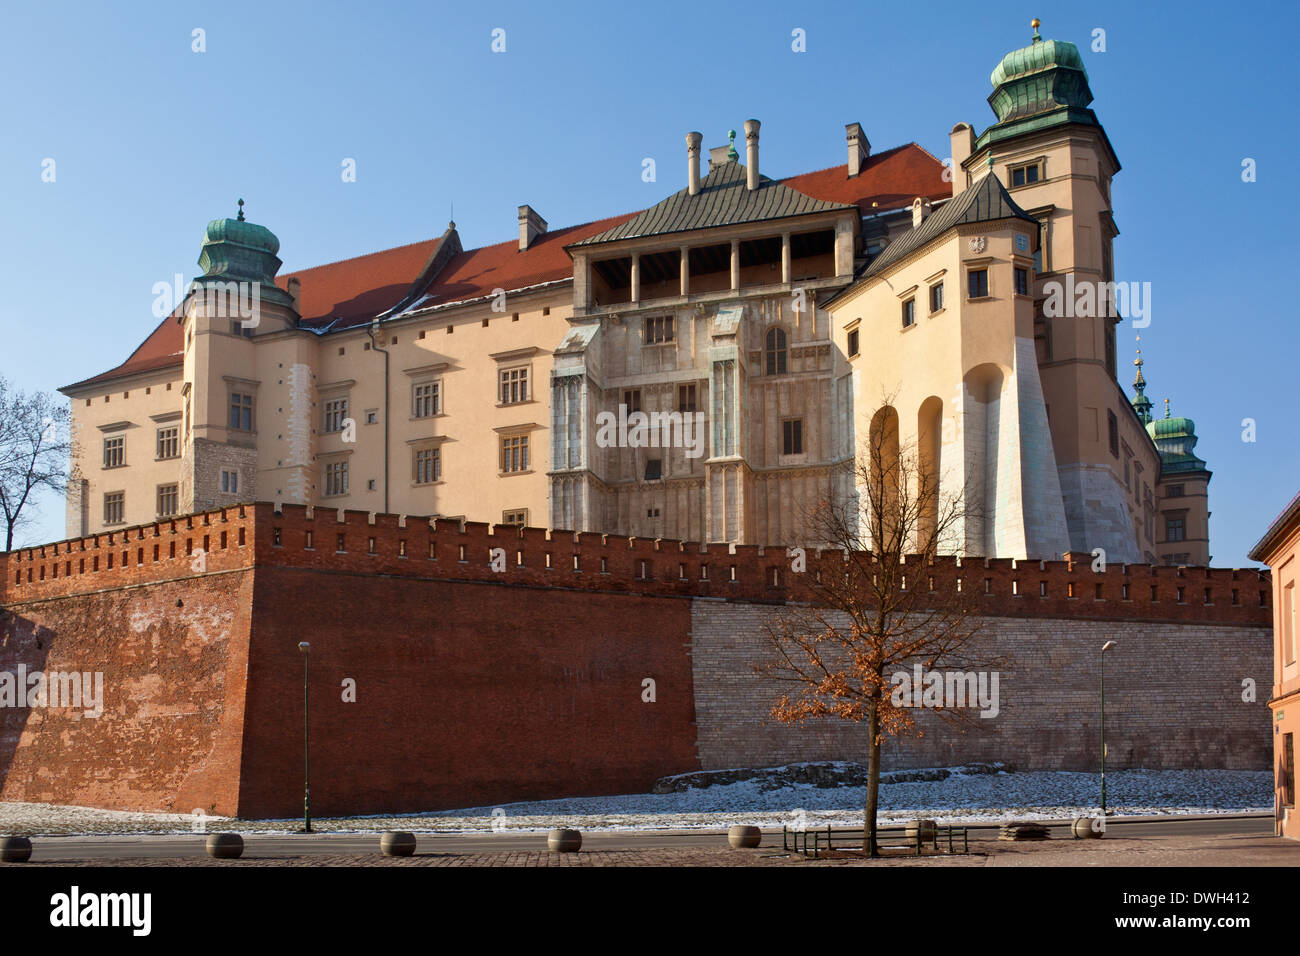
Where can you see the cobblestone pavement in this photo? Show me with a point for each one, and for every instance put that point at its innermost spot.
(1214, 850)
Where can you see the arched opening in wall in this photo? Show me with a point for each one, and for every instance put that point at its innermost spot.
(929, 430)
(775, 352)
(884, 483)
(981, 441)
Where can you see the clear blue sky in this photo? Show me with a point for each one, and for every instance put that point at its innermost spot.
(152, 140)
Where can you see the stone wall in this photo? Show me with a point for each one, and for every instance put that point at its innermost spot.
(1174, 698)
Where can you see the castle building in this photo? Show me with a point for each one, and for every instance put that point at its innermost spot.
(705, 369)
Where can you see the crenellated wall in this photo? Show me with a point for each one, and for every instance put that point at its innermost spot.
(459, 664)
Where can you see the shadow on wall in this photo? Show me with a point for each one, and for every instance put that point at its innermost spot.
(25, 644)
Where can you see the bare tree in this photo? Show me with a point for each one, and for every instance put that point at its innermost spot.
(891, 607)
(35, 447)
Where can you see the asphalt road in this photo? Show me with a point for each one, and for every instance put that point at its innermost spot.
(91, 848)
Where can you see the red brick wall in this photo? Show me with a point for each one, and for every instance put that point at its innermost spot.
(466, 694)
(169, 737)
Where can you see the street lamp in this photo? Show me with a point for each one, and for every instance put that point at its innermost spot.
(305, 647)
(1104, 648)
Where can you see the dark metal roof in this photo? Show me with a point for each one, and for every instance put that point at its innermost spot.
(723, 200)
(1281, 524)
(986, 201)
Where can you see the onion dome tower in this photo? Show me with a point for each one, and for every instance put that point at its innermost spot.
(235, 250)
(1175, 439)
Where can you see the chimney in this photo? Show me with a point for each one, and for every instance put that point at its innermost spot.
(531, 226)
(962, 141)
(920, 209)
(859, 147)
(751, 154)
(294, 287)
(693, 141)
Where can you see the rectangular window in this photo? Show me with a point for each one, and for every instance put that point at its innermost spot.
(426, 400)
(169, 442)
(336, 410)
(428, 465)
(659, 330)
(115, 507)
(1112, 429)
(792, 437)
(936, 297)
(686, 398)
(853, 343)
(168, 500)
(1174, 530)
(514, 454)
(654, 469)
(1025, 175)
(1022, 281)
(1174, 491)
(336, 478)
(1288, 770)
(978, 283)
(115, 452)
(909, 312)
(514, 385)
(229, 482)
(515, 519)
(632, 399)
(1288, 623)
(241, 412)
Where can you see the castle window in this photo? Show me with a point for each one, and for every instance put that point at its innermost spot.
(978, 283)
(659, 330)
(1112, 428)
(775, 347)
(426, 399)
(115, 507)
(686, 398)
(115, 452)
(632, 400)
(241, 412)
(654, 469)
(909, 313)
(428, 465)
(515, 519)
(853, 343)
(168, 500)
(169, 442)
(336, 478)
(792, 437)
(1174, 529)
(514, 385)
(936, 297)
(1174, 491)
(514, 454)
(229, 481)
(1026, 175)
(336, 412)
(1021, 281)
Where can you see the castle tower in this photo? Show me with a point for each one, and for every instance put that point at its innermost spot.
(1050, 151)
(234, 301)
(1183, 531)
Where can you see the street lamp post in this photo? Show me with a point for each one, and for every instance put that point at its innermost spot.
(1104, 648)
(305, 647)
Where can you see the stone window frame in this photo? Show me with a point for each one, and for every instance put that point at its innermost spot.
(161, 492)
(118, 499)
(245, 388)
(515, 433)
(328, 463)
(511, 513)
(225, 487)
(1038, 165)
(114, 451)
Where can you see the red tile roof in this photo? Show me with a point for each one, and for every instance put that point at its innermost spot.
(351, 292)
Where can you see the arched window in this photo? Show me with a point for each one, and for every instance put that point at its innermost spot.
(776, 351)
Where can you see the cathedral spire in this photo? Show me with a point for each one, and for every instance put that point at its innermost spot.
(1141, 404)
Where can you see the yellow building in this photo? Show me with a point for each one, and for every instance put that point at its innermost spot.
(705, 369)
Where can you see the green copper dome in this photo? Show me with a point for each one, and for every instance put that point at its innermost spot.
(235, 250)
(1045, 77)
(1175, 439)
